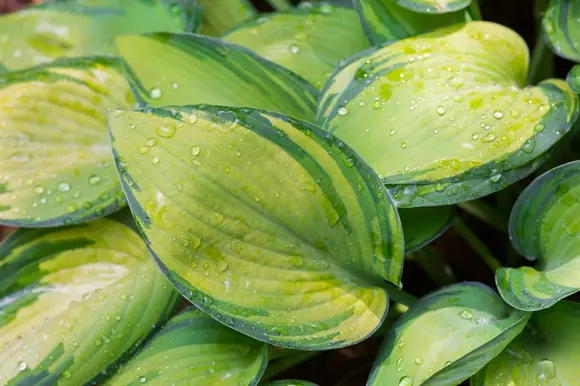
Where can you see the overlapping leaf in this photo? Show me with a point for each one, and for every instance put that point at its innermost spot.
(74, 301)
(168, 69)
(434, 6)
(269, 224)
(388, 21)
(55, 158)
(445, 117)
(544, 227)
(574, 79)
(194, 349)
(447, 337)
(562, 27)
(70, 28)
(545, 353)
(423, 225)
(311, 41)
(221, 16)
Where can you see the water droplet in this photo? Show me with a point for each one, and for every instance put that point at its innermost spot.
(174, 85)
(539, 127)
(406, 381)
(495, 178)
(377, 104)
(22, 365)
(63, 187)
(167, 130)
(497, 114)
(190, 118)
(441, 110)
(342, 111)
(293, 48)
(38, 189)
(546, 370)
(155, 160)
(401, 344)
(155, 93)
(143, 379)
(195, 150)
(474, 136)
(144, 150)
(392, 132)
(403, 145)
(466, 314)
(529, 146)
(489, 137)
(94, 179)
(349, 162)
(67, 374)
(418, 361)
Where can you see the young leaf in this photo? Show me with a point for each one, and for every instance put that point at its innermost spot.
(74, 301)
(423, 225)
(447, 337)
(546, 353)
(194, 349)
(434, 6)
(574, 79)
(268, 224)
(177, 69)
(55, 156)
(387, 21)
(57, 29)
(562, 28)
(311, 41)
(445, 116)
(544, 226)
(288, 382)
(219, 16)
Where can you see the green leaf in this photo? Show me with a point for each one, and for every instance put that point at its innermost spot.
(447, 337)
(423, 225)
(219, 16)
(288, 382)
(70, 28)
(544, 228)
(562, 27)
(194, 349)
(444, 117)
(387, 21)
(55, 154)
(574, 79)
(434, 6)
(177, 69)
(545, 353)
(310, 40)
(75, 301)
(268, 224)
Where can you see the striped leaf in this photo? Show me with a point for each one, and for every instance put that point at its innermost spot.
(177, 69)
(574, 79)
(387, 20)
(434, 6)
(544, 228)
(444, 117)
(268, 224)
(220, 16)
(70, 28)
(74, 301)
(55, 157)
(562, 28)
(546, 352)
(423, 225)
(310, 40)
(194, 349)
(447, 337)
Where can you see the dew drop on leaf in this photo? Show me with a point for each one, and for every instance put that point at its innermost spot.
(63, 187)
(22, 365)
(155, 93)
(466, 314)
(342, 111)
(406, 381)
(293, 48)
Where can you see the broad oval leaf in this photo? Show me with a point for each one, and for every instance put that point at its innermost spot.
(447, 337)
(387, 21)
(70, 28)
(545, 353)
(288, 382)
(268, 224)
(221, 16)
(423, 225)
(574, 79)
(74, 301)
(177, 69)
(562, 27)
(194, 349)
(544, 226)
(434, 6)
(56, 163)
(444, 117)
(311, 41)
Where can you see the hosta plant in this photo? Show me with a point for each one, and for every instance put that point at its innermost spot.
(210, 194)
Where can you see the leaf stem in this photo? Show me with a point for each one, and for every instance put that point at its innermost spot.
(438, 270)
(477, 245)
(474, 11)
(280, 5)
(486, 213)
(400, 296)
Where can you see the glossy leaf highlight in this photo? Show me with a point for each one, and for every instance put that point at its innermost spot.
(445, 117)
(447, 337)
(75, 301)
(268, 224)
(56, 164)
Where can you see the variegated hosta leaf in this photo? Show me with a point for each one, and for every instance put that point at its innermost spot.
(69, 28)
(178, 69)
(220, 16)
(545, 353)
(562, 28)
(574, 79)
(387, 20)
(74, 301)
(310, 40)
(288, 382)
(434, 6)
(445, 117)
(447, 337)
(268, 224)
(56, 165)
(423, 225)
(194, 349)
(544, 226)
